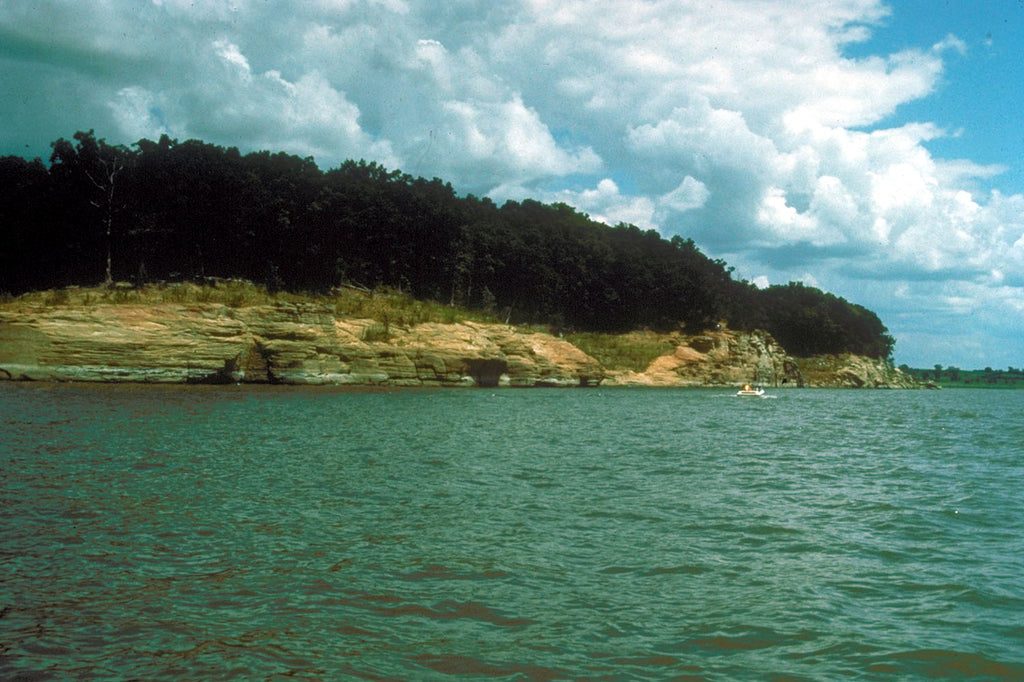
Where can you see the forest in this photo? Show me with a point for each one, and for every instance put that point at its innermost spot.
(952, 377)
(173, 211)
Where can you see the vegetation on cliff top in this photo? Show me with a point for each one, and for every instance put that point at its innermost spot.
(384, 305)
(170, 211)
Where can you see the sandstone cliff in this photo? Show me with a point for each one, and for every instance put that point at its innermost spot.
(279, 343)
(853, 371)
(308, 343)
(720, 358)
(727, 358)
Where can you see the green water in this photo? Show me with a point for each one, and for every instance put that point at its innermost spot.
(239, 533)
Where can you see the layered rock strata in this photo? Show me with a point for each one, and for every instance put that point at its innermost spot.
(281, 343)
(853, 371)
(286, 343)
(718, 359)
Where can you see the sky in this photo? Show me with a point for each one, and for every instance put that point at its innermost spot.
(870, 148)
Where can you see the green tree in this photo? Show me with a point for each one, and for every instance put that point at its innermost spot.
(195, 210)
(26, 226)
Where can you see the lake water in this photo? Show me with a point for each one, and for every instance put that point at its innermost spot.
(264, 533)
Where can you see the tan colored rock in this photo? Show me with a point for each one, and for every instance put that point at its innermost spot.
(121, 343)
(308, 344)
(854, 371)
(281, 343)
(721, 358)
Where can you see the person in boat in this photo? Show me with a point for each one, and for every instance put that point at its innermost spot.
(746, 387)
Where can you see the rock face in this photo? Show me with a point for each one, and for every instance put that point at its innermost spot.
(281, 343)
(718, 359)
(287, 343)
(853, 371)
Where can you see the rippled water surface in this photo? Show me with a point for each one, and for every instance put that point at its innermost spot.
(217, 533)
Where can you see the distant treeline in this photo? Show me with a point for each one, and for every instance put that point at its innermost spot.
(183, 211)
(1012, 377)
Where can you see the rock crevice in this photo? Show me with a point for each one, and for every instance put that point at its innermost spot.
(286, 343)
(276, 344)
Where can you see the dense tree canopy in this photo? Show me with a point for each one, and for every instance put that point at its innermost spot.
(166, 210)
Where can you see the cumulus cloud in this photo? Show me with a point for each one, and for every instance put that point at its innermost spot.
(743, 125)
(506, 140)
(607, 204)
(307, 116)
(689, 195)
(138, 113)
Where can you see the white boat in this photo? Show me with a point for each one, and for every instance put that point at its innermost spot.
(749, 390)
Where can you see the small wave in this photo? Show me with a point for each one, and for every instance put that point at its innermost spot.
(677, 537)
(647, 661)
(740, 639)
(615, 570)
(438, 572)
(476, 611)
(946, 663)
(392, 605)
(687, 569)
(451, 664)
(621, 515)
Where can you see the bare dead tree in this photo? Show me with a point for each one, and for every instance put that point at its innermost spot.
(104, 179)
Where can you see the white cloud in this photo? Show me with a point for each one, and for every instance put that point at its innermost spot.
(689, 195)
(506, 140)
(137, 112)
(230, 53)
(205, 10)
(307, 116)
(604, 203)
(436, 59)
(775, 213)
(809, 280)
(741, 124)
(607, 204)
(834, 206)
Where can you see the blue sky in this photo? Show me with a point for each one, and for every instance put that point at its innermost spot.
(867, 147)
(979, 94)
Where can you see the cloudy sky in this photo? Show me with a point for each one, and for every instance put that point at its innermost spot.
(872, 148)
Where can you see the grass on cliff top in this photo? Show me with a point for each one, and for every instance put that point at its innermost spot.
(387, 306)
(631, 351)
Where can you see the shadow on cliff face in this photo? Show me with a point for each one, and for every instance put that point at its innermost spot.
(486, 373)
(225, 375)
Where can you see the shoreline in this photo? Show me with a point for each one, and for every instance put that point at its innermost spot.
(316, 344)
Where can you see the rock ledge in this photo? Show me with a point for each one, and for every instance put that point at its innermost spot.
(281, 343)
(307, 343)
